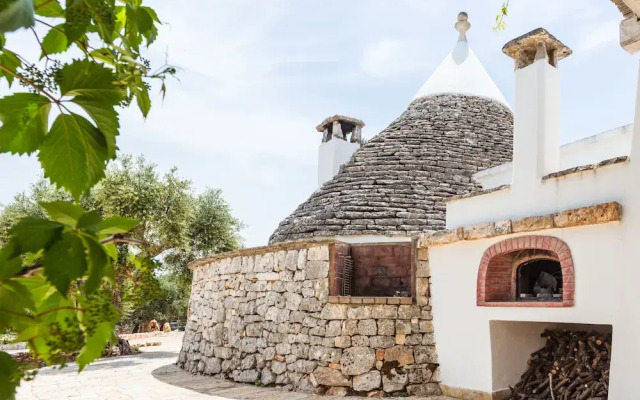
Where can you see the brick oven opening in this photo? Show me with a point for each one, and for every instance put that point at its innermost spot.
(373, 270)
(539, 280)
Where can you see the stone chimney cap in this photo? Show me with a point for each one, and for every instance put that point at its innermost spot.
(523, 49)
(341, 118)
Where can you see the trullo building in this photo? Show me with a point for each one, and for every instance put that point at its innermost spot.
(414, 267)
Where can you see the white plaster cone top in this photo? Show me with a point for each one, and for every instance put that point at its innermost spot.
(461, 72)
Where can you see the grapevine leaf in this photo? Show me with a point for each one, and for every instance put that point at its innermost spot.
(144, 103)
(103, 14)
(9, 60)
(14, 298)
(113, 225)
(9, 267)
(49, 8)
(54, 41)
(104, 116)
(30, 235)
(63, 212)
(77, 20)
(74, 154)
(10, 376)
(89, 221)
(16, 14)
(64, 262)
(98, 260)
(2, 41)
(85, 74)
(24, 119)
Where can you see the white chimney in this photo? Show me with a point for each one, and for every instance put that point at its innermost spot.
(337, 147)
(536, 131)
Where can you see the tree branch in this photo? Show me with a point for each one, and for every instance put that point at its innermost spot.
(28, 82)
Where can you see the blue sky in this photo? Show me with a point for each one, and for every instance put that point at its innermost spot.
(257, 76)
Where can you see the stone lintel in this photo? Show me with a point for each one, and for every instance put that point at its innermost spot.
(525, 49)
(591, 215)
(630, 34)
(338, 118)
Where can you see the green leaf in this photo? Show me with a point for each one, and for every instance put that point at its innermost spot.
(54, 41)
(77, 20)
(9, 263)
(16, 14)
(31, 235)
(9, 60)
(104, 116)
(2, 41)
(85, 74)
(10, 376)
(104, 18)
(113, 225)
(144, 103)
(74, 154)
(98, 261)
(64, 262)
(49, 8)
(24, 119)
(63, 212)
(98, 327)
(89, 221)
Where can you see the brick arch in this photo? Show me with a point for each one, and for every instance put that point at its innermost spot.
(496, 274)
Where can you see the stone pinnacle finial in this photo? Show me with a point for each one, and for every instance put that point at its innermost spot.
(463, 24)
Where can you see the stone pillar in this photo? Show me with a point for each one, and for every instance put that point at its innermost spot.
(356, 135)
(536, 135)
(337, 130)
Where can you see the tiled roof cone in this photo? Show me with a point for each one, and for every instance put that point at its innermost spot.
(461, 72)
(396, 183)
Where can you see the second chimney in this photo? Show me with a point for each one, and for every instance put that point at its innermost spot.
(536, 131)
(341, 137)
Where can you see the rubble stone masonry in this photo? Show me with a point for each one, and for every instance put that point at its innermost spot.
(265, 318)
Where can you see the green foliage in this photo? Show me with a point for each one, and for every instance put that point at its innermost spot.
(175, 227)
(501, 17)
(58, 262)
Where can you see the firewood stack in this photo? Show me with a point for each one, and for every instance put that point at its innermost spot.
(572, 365)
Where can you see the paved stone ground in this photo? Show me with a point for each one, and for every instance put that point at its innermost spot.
(150, 375)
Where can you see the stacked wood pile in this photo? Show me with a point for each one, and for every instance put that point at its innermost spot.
(572, 365)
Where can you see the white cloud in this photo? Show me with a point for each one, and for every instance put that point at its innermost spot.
(606, 33)
(389, 57)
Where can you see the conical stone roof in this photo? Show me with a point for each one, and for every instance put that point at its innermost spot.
(396, 183)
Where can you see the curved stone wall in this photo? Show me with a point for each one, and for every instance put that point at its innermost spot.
(262, 316)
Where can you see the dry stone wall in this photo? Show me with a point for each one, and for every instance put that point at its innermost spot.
(265, 318)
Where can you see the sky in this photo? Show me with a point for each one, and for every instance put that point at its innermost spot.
(256, 77)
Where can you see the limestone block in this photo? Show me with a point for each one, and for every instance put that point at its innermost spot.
(386, 327)
(342, 341)
(366, 382)
(292, 301)
(414, 340)
(427, 389)
(291, 260)
(360, 341)
(361, 312)
(334, 328)
(419, 373)
(382, 342)
(426, 326)
(264, 263)
(530, 224)
(422, 291)
(248, 362)
(426, 354)
(337, 391)
(330, 377)
(283, 348)
(357, 360)
(402, 354)
(278, 367)
(223, 352)
(302, 259)
(317, 269)
(350, 327)
(423, 270)
(400, 338)
(367, 327)
(428, 339)
(318, 253)
(403, 326)
(382, 311)
(212, 366)
(267, 377)
(394, 381)
(334, 311)
(408, 312)
(597, 214)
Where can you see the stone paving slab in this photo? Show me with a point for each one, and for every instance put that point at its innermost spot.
(148, 376)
